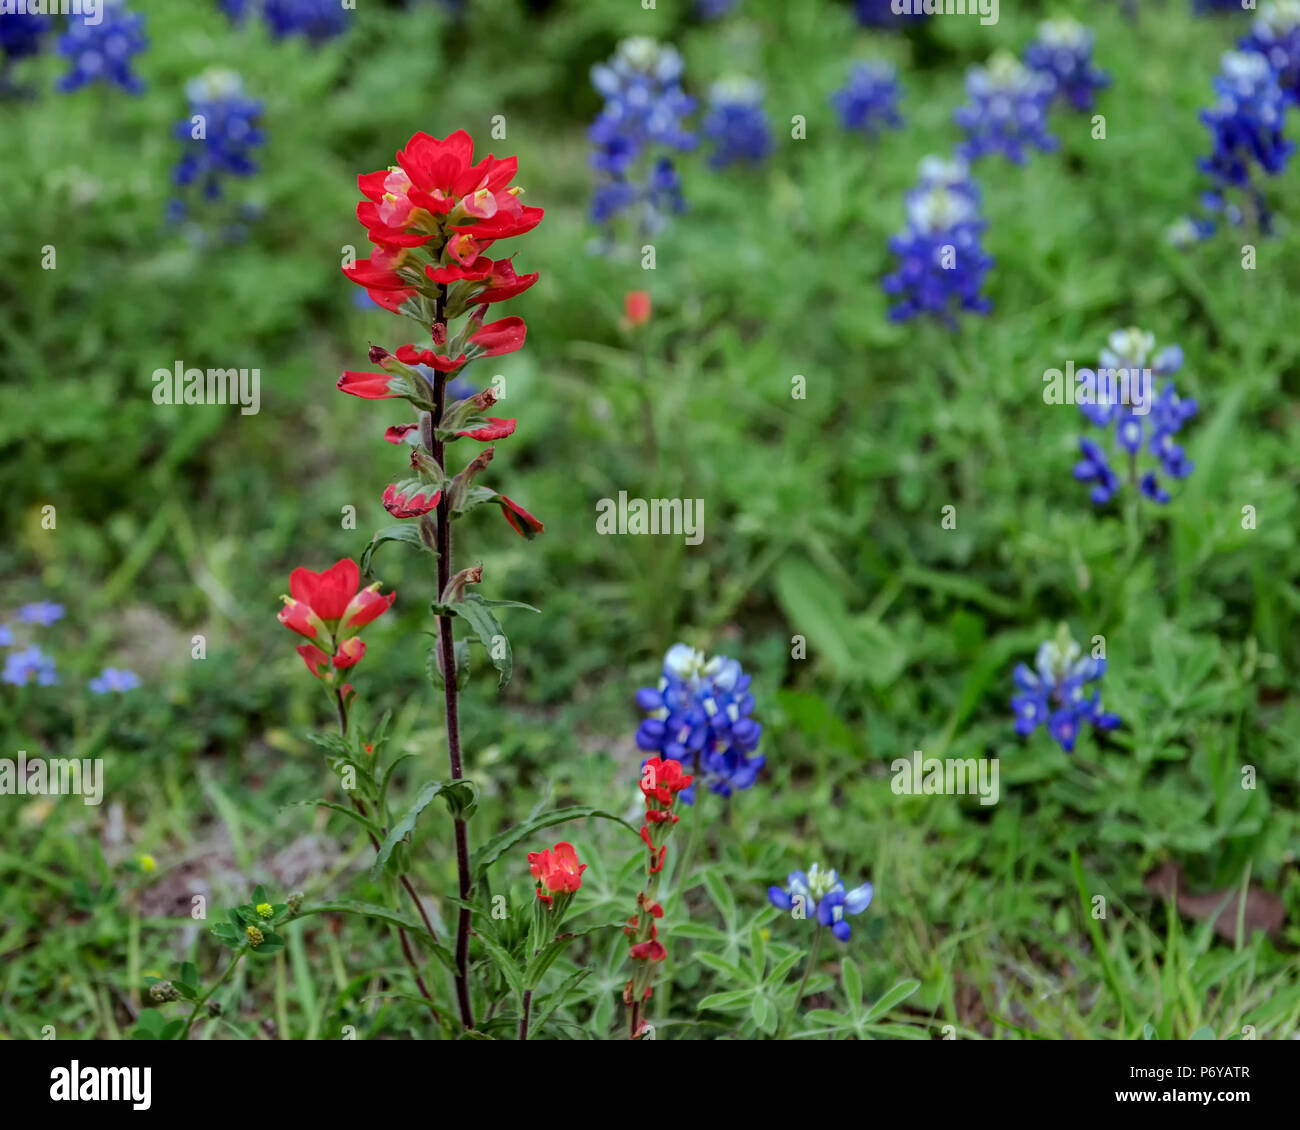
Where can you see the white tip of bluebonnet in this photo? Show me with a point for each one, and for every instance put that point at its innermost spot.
(858, 899)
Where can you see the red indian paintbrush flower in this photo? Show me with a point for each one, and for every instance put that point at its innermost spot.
(331, 608)
(557, 872)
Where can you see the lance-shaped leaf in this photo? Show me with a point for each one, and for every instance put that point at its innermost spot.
(496, 847)
(408, 532)
(461, 797)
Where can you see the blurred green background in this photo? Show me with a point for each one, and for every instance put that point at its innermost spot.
(822, 519)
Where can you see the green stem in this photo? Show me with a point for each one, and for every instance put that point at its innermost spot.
(803, 983)
(198, 1004)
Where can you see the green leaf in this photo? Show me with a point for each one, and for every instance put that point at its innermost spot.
(507, 964)
(475, 612)
(896, 995)
(406, 825)
(1206, 1033)
(763, 1014)
(721, 895)
(727, 1002)
(388, 777)
(852, 985)
(149, 1020)
(269, 944)
(408, 532)
(545, 1009)
(545, 958)
(496, 847)
(722, 965)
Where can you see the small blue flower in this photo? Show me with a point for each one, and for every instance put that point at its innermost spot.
(1055, 692)
(1063, 52)
(219, 135)
(880, 13)
(1275, 34)
(713, 9)
(1140, 419)
(315, 20)
(20, 34)
(869, 101)
(1245, 126)
(113, 680)
(820, 893)
(1006, 111)
(42, 612)
(641, 124)
(6, 636)
(699, 714)
(102, 52)
(941, 265)
(737, 124)
(29, 665)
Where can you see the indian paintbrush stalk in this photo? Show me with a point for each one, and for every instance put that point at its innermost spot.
(661, 781)
(431, 217)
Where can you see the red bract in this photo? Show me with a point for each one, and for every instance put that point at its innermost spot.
(409, 502)
(496, 428)
(652, 950)
(397, 433)
(504, 336)
(520, 520)
(556, 872)
(368, 386)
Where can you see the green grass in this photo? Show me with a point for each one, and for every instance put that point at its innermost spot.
(822, 520)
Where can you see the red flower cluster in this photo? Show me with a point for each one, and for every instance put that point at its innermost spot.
(432, 217)
(557, 872)
(661, 781)
(332, 608)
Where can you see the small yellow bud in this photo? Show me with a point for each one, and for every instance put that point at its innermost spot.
(265, 909)
(255, 936)
(147, 863)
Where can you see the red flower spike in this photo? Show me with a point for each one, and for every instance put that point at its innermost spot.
(636, 307)
(328, 592)
(402, 503)
(496, 428)
(557, 871)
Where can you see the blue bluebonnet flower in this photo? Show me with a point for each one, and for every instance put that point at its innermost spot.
(20, 34)
(713, 9)
(700, 716)
(1275, 34)
(1201, 7)
(634, 135)
(1147, 419)
(1188, 230)
(824, 891)
(1245, 125)
(102, 52)
(869, 100)
(1006, 111)
(941, 265)
(29, 665)
(1063, 51)
(316, 20)
(6, 636)
(226, 121)
(113, 680)
(880, 13)
(737, 124)
(42, 612)
(1055, 692)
